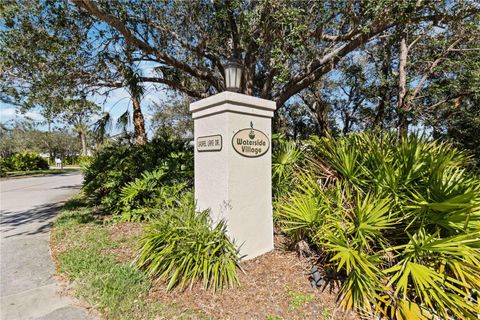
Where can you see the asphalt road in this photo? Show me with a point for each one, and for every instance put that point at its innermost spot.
(28, 289)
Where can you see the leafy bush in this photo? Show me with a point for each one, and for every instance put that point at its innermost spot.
(142, 196)
(5, 166)
(119, 164)
(183, 246)
(85, 161)
(27, 161)
(398, 221)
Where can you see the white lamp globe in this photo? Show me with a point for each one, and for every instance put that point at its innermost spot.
(233, 75)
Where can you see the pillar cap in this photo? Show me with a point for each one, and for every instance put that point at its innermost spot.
(227, 101)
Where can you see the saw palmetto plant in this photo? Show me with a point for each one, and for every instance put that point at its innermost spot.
(400, 224)
(286, 156)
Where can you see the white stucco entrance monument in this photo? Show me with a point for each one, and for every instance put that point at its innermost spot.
(232, 134)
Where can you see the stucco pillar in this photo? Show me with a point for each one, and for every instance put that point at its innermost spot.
(233, 167)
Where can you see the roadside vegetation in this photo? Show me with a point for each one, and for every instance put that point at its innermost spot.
(393, 223)
(96, 257)
(36, 173)
(153, 183)
(132, 181)
(22, 163)
(171, 250)
(396, 222)
(28, 164)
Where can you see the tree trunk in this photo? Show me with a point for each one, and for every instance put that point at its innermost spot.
(384, 90)
(47, 139)
(402, 89)
(322, 118)
(248, 75)
(318, 110)
(138, 122)
(83, 140)
(346, 123)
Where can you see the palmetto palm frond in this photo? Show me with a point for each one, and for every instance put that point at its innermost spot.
(399, 221)
(427, 263)
(102, 126)
(123, 121)
(286, 157)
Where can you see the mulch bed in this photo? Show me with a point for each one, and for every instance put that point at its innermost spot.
(275, 285)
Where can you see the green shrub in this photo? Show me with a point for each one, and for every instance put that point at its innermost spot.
(119, 164)
(147, 196)
(85, 161)
(28, 161)
(183, 246)
(398, 221)
(5, 166)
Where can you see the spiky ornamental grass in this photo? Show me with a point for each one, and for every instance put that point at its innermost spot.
(400, 224)
(183, 246)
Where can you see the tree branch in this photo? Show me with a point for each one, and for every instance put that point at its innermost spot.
(323, 65)
(175, 85)
(113, 21)
(432, 67)
(456, 96)
(233, 29)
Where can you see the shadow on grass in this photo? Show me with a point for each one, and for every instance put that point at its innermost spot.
(75, 203)
(77, 211)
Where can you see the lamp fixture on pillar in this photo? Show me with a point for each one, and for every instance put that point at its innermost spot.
(233, 75)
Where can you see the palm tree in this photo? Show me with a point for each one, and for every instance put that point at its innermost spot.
(132, 80)
(78, 112)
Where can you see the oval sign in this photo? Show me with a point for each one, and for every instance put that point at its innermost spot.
(251, 143)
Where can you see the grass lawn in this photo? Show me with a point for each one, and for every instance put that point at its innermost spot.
(95, 256)
(14, 174)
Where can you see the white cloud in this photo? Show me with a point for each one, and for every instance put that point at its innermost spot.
(34, 115)
(10, 113)
(7, 113)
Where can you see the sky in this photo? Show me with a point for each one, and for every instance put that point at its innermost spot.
(116, 103)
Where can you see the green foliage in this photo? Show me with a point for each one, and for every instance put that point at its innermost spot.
(273, 317)
(340, 52)
(286, 157)
(298, 299)
(110, 177)
(399, 223)
(183, 246)
(326, 314)
(38, 173)
(27, 161)
(24, 135)
(84, 256)
(173, 116)
(144, 197)
(85, 161)
(5, 166)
